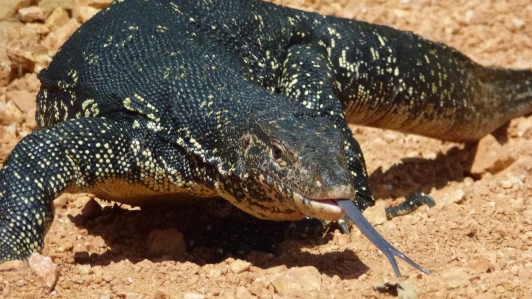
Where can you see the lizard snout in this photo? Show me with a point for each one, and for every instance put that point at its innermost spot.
(332, 184)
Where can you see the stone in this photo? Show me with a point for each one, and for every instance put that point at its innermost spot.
(518, 204)
(45, 268)
(57, 38)
(24, 100)
(29, 82)
(490, 157)
(31, 14)
(297, 280)
(62, 200)
(29, 123)
(83, 269)
(21, 60)
(239, 266)
(9, 114)
(23, 53)
(42, 61)
(81, 254)
(58, 18)
(31, 33)
(97, 242)
(480, 264)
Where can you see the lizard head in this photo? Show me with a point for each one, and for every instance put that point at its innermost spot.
(291, 164)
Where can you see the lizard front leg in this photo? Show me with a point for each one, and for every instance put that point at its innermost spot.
(75, 155)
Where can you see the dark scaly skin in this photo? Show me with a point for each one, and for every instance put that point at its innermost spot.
(241, 99)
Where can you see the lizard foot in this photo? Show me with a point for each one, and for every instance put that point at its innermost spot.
(412, 202)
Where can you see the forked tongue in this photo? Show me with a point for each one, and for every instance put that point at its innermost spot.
(367, 229)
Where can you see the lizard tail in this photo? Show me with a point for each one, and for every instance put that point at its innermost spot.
(504, 94)
(511, 91)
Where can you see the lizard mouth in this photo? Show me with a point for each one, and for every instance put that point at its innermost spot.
(325, 208)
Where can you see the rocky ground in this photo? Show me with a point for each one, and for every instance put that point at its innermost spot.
(476, 241)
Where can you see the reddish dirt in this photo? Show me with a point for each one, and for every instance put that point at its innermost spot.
(476, 241)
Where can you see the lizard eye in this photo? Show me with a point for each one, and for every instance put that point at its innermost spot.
(277, 152)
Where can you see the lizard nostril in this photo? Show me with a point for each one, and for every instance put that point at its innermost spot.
(324, 178)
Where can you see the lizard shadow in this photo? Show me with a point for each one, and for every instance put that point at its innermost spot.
(126, 235)
(422, 175)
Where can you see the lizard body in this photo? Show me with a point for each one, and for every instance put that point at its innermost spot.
(241, 99)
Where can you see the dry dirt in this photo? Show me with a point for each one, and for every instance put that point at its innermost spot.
(476, 241)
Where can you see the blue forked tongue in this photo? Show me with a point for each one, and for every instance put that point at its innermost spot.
(367, 229)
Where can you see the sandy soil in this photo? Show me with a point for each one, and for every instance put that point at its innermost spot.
(476, 241)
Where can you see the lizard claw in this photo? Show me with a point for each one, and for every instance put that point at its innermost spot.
(367, 229)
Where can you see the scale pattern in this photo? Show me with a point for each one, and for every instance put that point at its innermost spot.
(241, 99)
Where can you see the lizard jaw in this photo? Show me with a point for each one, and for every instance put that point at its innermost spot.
(323, 205)
(325, 209)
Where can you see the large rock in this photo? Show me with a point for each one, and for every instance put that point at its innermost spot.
(45, 269)
(491, 157)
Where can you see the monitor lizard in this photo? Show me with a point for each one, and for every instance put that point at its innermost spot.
(174, 100)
